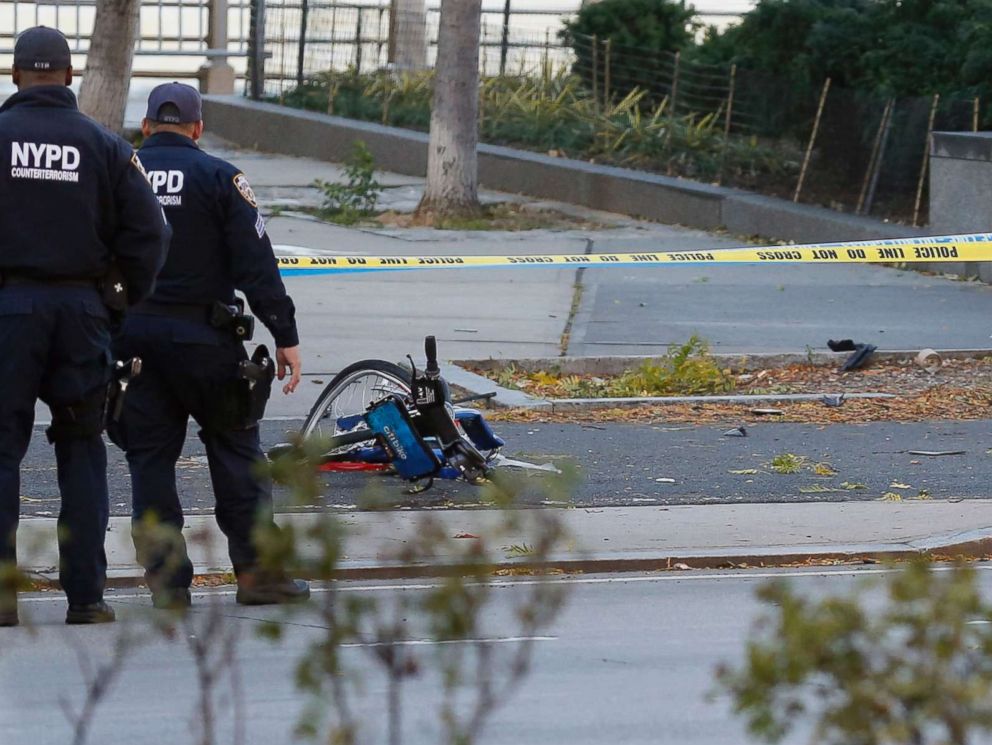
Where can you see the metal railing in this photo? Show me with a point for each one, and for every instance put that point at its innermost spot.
(175, 36)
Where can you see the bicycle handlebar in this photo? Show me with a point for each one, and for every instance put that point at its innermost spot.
(430, 349)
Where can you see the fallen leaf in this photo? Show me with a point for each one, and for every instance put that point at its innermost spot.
(852, 486)
(745, 472)
(464, 535)
(897, 485)
(824, 469)
(890, 497)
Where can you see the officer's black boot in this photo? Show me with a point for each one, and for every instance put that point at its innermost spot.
(262, 588)
(90, 613)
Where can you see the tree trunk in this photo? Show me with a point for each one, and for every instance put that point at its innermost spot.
(408, 35)
(103, 94)
(452, 161)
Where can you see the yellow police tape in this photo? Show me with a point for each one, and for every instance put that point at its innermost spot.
(969, 247)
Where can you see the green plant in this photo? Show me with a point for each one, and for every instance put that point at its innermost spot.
(786, 463)
(648, 30)
(557, 113)
(349, 202)
(913, 669)
(686, 369)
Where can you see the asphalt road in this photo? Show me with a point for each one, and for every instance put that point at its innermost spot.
(630, 660)
(627, 464)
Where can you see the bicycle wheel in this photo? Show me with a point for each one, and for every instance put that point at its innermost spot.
(349, 394)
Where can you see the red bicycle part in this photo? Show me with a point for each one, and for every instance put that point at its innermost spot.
(345, 466)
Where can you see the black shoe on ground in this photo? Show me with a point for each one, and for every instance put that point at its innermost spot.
(252, 591)
(90, 613)
(174, 599)
(8, 618)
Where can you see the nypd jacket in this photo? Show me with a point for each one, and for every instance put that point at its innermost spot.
(219, 243)
(73, 196)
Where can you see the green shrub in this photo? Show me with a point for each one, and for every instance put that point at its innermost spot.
(558, 114)
(347, 203)
(905, 659)
(687, 369)
(642, 32)
(901, 48)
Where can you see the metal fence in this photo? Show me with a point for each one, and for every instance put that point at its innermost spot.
(175, 35)
(303, 38)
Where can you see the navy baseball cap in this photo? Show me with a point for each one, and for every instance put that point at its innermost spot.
(184, 97)
(42, 48)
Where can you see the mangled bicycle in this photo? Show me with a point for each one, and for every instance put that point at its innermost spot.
(380, 416)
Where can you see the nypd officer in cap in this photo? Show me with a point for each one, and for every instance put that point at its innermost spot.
(74, 203)
(190, 336)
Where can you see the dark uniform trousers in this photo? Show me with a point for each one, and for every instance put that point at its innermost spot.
(184, 364)
(55, 344)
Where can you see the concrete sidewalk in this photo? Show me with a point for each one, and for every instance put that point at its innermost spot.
(602, 540)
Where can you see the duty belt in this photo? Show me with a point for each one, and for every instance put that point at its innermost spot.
(229, 318)
(197, 312)
(12, 280)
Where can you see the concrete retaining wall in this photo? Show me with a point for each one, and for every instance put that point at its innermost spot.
(961, 191)
(669, 200)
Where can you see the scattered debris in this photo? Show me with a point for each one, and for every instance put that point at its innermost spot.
(767, 412)
(833, 399)
(936, 453)
(861, 353)
(969, 401)
(504, 462)
(465, 535)
(824, 469)
(665, 481)
(787, 463)
(739, 431)
(929, 360)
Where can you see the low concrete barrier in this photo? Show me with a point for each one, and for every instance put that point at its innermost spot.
(669, 200)
(961, 192)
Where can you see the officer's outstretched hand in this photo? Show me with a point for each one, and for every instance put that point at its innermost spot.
(288, 357)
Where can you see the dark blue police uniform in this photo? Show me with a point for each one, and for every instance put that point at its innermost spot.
(219, 245)
(73, 199)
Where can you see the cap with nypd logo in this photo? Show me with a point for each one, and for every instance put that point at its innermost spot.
(42, 48)
(185, 99)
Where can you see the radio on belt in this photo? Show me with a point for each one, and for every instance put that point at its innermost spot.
(234, 319)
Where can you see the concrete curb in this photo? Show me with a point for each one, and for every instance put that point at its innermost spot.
(969, 545)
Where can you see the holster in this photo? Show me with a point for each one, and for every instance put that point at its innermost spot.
(240, 403)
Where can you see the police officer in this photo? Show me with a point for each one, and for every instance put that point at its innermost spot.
(189, 335)
(74, 201)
